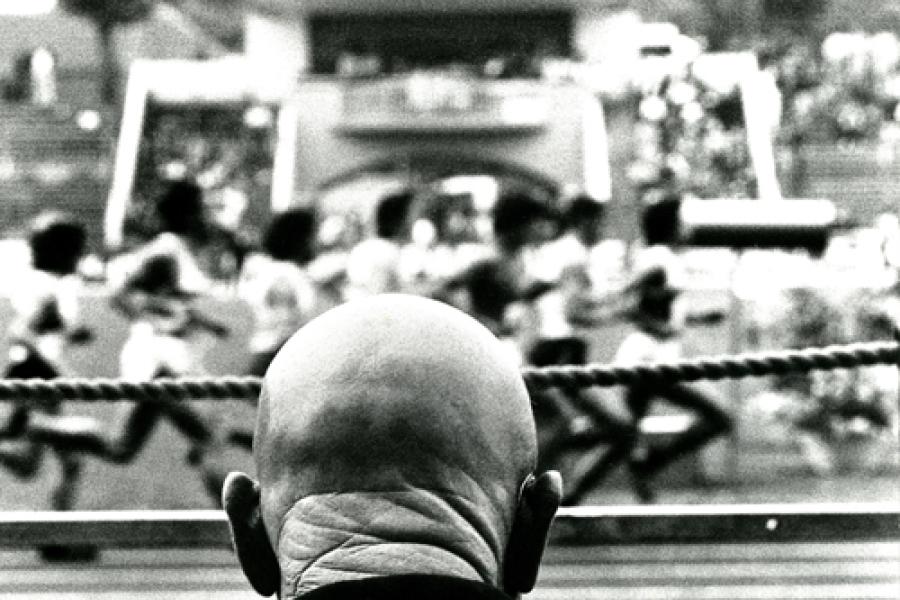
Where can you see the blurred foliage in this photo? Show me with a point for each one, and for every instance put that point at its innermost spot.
(846, 90)
(690, 138)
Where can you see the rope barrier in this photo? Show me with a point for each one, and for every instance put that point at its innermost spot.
(715, 368)
(110, 390)
(247, 388)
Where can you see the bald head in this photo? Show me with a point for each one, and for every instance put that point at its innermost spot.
(388, 393)
(394, 435)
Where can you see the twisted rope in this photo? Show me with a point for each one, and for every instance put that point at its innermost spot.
(109, 390)
(247, 388)
(715, 368)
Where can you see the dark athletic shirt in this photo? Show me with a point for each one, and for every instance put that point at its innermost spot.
(401, 587)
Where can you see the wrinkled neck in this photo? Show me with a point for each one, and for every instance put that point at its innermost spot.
(336, 537)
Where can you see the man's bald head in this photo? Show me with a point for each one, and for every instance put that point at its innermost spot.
(394, 435)
(390, 393)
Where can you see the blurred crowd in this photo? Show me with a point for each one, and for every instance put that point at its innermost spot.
(844, 91)
(691, 133)
(228, 151)
(691, 137)
(423, 242)
(542, 277)
(537, 281)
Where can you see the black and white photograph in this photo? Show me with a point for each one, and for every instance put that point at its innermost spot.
(473, 299)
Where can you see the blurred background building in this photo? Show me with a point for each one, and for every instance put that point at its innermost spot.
(596, 42)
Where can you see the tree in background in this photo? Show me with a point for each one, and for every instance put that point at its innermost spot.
(106, 16)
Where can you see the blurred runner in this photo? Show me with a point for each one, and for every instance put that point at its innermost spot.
(46, 322)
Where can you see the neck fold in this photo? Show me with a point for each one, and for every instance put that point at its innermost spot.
(336, 537)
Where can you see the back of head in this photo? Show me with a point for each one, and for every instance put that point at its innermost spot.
(584, 208)
(451, 215)
(57, 243)
(584, 217)
(660, 222)
(392, 214)
(291, 236)
(489, 290)
(514, 216)
(394, 424)
(180, 209)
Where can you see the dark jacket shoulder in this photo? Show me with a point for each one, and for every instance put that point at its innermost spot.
(432, 587)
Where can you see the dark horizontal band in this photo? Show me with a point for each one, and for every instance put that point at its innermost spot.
(720, 524)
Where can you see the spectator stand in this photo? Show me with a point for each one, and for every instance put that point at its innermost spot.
(705, 125)
(432, 126)
(218, 122)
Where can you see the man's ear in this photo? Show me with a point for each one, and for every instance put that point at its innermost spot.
(240, 498)
(538, 503)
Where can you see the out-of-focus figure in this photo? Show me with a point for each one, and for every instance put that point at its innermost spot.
(659, 318)
(373, 266)
(164, 327)
(168, 337)
(584, 272)
(229, 244)
(505, 293)
(156, 286)
(276, 285)
(657, 337)
(47, 321)
(587, 272)
(875, 414)
(498, 290)
(336, 237)
(444, 243)
(183, 234)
